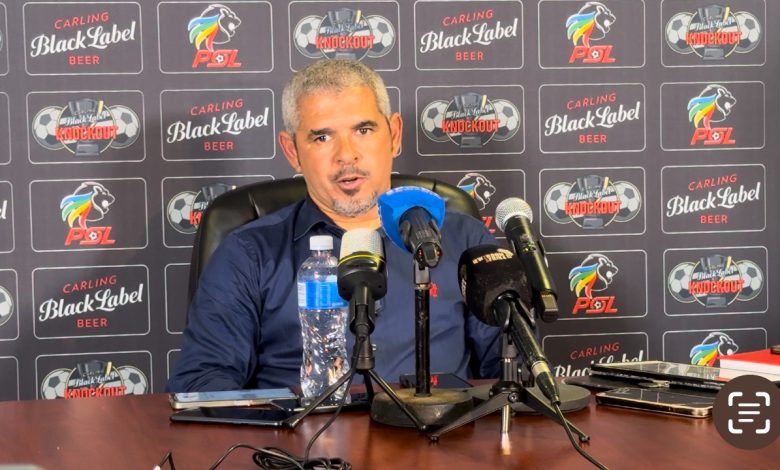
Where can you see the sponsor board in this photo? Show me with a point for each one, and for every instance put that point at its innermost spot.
(713, 34)
(9, 371)
(172, 357)
(706, 347)
(100, 374)
(606, 117)
(186, 198)
(3, 40)
(712, 281)
(463, 35)
(90, 301)
(579, 202)
(215, 37)
(85, 126)
(571, 355)
(71, 38)
(5, 129)
(83, 214)
(588, 34)
(7, 240)
(217, 124)
(713, 198)
(9, 305)
(177, 285)
(599, 285)
(366, 31)
(487, 187)
(713, 116)
(470, 120)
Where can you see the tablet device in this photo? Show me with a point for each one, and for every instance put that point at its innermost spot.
(660, 401)
(180, 401)
(273, 417)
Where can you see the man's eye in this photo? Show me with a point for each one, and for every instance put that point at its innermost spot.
(320, 138)
(364, 130)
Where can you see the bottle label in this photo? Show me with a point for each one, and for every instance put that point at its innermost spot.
(319, 295)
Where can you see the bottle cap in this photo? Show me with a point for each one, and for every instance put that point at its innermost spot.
(321, 242)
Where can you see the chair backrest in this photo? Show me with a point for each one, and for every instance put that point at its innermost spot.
(246, 203)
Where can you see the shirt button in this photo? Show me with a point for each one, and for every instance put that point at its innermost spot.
(373, 347)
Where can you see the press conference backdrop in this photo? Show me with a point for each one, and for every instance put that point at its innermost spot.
(643, 133)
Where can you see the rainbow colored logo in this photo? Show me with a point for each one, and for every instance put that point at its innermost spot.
(89, 202)
(713, 104)
(580, 26)
(701, 109)
(202, 30)
(714, 346)
(583, 277)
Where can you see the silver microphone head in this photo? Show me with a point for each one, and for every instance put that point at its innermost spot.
(361, 239)
(510, 207)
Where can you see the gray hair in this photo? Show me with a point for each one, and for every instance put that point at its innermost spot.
(330, 75)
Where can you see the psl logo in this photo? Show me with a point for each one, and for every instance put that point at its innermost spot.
(94, 379)
(712, 348)
(86, 127)
(592, 202)
(344, 34)
(470, 120)
(479, 187)
(715, 281)
(594, 274)
(185, 210)
(713, 104)
(713, 32)
(217, 24)
(6, 306)
(88, 203)
(593, 21)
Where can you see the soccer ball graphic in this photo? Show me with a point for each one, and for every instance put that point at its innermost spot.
(305, 36)
(55, 383)
(44, 126)
(508, 119)
(128, 126)
(384, 35)
(630, 201)
(750, 31)
(752, 280)
(6, 305)
(678, 282)
(134, 380)
(179, 210)
(555, 202)
(676, 29)
(431, 120)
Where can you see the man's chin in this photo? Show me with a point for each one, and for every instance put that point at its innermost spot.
(353, 206)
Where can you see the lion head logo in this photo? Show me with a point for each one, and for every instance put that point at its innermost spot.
(216, 25)
(478, 187)
(714, 346)
(595, 273)
(713, 104)
(593, 21)
(89, 202)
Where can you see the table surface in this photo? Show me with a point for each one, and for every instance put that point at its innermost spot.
(134, 432)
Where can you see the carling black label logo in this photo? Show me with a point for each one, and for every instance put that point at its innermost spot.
(75, 127)
(3, 41)
(224, 124)
(715, 280)
(714, 198)
(712, 116)
(221, 37)
(79, 302)
(6, 217)
(109, 213)
(707, 347)
(713, 34)
(93, 375)
(463, 121)
(67, 38)
(5, 130)
(9, 318)
(344, 30)
(462, 35)
(571, 355)
(592, 118)
(592, 201)
(591, 34)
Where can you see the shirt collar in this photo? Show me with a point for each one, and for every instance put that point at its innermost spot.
(310, 217)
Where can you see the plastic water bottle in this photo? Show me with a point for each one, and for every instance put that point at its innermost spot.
(323, 316)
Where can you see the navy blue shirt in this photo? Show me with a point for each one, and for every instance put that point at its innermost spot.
(243, 329)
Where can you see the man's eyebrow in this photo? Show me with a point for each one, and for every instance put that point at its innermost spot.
(323, 131)
(366, 123)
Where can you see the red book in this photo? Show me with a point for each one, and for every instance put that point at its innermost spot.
(763, 362)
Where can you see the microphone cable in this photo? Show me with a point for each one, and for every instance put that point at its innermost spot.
(579, 449)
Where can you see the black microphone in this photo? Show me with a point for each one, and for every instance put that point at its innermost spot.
(361, 273)
(514, 217)
(412, 218)
(495, 289)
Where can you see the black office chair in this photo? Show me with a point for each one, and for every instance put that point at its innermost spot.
(239, 206)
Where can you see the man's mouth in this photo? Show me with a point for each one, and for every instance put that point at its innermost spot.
(350, 182)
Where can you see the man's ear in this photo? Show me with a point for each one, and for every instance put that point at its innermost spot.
(287, 142)
(396, 130)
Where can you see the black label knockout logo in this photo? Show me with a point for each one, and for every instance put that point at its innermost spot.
(594, 274)
(89, 203)
(94, 379)
(470, 120)
(716, 345)
(592, 202)
(591, 23)
(86, 127)
(185, 210)
(216, 25)
(715, 281)
(6, 306)
(344, 34)
(712, 105)
(713, 32)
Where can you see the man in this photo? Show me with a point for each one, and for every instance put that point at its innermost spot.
(243, 329)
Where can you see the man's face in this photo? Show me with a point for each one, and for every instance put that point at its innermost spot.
(344, 147)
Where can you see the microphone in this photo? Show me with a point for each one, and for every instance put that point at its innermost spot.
(361, 273)
(495, 288)
(412, 217)
(514, 217)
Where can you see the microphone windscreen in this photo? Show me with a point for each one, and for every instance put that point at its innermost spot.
(361, 240)
(484, 273)
(394, 203)
(511, 207)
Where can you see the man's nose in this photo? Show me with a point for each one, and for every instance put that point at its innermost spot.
(347, 151)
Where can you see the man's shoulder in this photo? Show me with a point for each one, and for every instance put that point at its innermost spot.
(279, 219)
